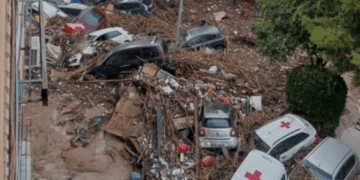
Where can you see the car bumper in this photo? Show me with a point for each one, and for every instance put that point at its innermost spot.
(231, 143)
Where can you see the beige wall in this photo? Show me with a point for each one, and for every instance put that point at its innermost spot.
(5, 35)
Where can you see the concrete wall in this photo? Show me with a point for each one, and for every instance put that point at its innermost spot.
(5, 35)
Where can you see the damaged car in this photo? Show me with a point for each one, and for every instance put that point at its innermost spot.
(218, 127)
(284, 136)
(49, 10)
(331, 159)
(131, 7)
(73, 9)
(93, 18)
(202, 37)
(116, 34)
(129, 56)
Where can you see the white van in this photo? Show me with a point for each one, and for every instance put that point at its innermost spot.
(49, 10)
(260, 166)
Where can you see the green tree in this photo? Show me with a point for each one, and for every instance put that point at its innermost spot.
(317, 93)
(282, 31)
(336, 31)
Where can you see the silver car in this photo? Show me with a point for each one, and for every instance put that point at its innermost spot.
(331, 159)
(217, 127)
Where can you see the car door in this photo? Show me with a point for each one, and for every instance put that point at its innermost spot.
(112, 66)
(347, 171)
(152, 55)
(193, 43)
(116, 36)
(132, 60)
(209, 40)
(287, 148)
(295, 145)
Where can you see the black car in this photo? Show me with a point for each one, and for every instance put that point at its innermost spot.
(130, 7)
(129, 56)
(201, 37)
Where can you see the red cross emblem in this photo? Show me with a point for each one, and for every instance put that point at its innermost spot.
(284, 124)
(255, 176)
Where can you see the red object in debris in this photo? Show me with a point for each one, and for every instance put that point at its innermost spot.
(287, 125)
(184, 148)
(255, 176)
(74, 28)
(246, 5)
(207, 161)
(93, 18)
(226, 100)
(318, 140)
(211, 91)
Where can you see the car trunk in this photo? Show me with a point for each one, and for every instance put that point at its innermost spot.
(217, 133)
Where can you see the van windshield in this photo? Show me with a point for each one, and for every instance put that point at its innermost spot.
(316, 171)
(260, 144)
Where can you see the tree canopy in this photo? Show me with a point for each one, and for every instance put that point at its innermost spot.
(318, 94)
(328, 27)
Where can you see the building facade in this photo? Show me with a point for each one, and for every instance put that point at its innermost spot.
(5, 52)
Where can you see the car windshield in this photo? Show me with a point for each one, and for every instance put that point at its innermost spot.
(147, 2)
(260, 144)
(217, 123)
(92, 18)
(316, 171)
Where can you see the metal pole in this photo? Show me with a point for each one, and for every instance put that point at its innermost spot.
(43, 55)
(197, 142)
(179, 23)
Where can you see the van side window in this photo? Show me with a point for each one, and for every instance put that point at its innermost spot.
(345, 169)
(283, 177)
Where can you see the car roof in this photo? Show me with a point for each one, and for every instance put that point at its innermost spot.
(202, 30)
(106, 30)
(217, 110)
(329, 147)
(144, 42)
(75, 6)
(271, 132)
(267, 166)
(126, 1)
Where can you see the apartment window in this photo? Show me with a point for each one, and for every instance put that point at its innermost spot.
(8, 18)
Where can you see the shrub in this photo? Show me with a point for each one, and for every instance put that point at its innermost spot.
(317, 93)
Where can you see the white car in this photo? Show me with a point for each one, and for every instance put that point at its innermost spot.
(49, 10)
(331, 159)
(116, 34)
(259, 165)
(285, 136)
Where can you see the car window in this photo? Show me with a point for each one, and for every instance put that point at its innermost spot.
(115, 59)
(132, 54)
(208, 37)
(288, 144)
(134, 5)
(217, 123)
(147, 2)
(149, 52)
(283, 177)
(194, 40)
(102, 38)
(92, 18)
(121, 6)
(298, 138)
(345, 169)
(260, 144)
(33, 11)
(70, 11)
(113, 34)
